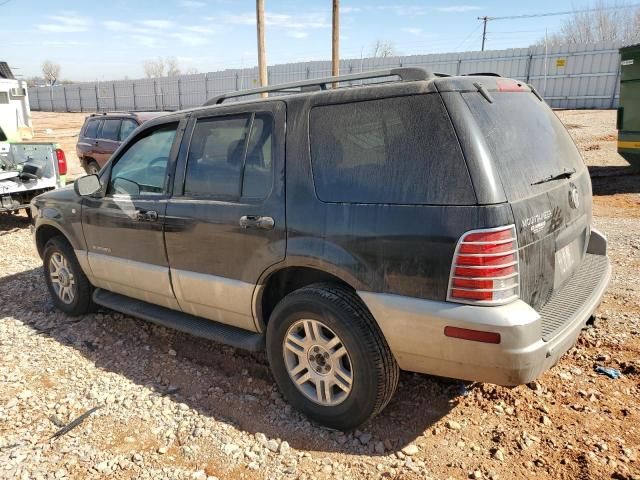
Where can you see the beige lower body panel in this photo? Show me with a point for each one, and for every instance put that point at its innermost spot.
(143, 281)
(215, 298)
(414, 330)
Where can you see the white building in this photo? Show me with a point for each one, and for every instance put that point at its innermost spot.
(15, 115)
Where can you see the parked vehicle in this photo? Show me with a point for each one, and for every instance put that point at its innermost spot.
(28, 169)
(103, 133)
(434, 224)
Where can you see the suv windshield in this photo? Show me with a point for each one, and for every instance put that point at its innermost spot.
(528, 142)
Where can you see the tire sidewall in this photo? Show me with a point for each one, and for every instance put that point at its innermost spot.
(360, 403)
(80, 302)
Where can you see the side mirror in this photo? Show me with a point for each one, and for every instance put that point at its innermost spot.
(89, 185)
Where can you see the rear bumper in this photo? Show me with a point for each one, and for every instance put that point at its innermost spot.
(531, 341)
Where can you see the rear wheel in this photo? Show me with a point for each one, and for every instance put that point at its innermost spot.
(68, 285)
(329, 357)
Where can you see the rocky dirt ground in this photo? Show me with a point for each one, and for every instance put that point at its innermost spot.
(174, 407)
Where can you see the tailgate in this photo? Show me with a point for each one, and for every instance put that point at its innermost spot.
(529, 147)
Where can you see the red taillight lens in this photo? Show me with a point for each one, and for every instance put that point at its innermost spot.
(62, 161)
(485, 267)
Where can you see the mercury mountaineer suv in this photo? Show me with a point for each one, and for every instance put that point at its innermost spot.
(431, 223)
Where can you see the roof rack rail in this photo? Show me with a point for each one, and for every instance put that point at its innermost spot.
(482, 74)
(406, 74)
(118, 112)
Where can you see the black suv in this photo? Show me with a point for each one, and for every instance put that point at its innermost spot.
(437, 224)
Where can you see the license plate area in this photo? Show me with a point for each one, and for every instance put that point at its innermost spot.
(567, 260)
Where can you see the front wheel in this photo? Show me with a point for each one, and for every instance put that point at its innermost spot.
(328, 356)
(68, 285)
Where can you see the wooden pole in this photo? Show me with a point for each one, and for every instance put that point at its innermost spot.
(335, 41)
(262, 61)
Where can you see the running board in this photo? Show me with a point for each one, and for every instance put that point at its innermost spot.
(181, 321)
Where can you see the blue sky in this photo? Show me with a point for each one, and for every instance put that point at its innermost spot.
(111, 39)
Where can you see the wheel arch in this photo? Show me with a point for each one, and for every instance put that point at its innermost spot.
(279, 283)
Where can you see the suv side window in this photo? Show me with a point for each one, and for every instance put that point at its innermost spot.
(127, 127)
(92, 129)
(215, 156)
(110, 129)
(399, 150)
(228, 161)
(142, 168)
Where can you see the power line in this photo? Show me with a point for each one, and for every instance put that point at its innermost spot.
(567, 12)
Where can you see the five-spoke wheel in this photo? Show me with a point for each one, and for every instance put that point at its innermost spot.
(62, 278)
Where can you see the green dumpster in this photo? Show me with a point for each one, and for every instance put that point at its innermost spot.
(629, 109)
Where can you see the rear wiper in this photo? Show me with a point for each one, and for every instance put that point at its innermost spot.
(564, 174)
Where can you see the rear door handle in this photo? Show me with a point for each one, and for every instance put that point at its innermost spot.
(256, 221)
(146, 215)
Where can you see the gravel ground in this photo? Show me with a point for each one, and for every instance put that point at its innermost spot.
(175, 407)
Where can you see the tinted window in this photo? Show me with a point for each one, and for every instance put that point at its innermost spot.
(92, 129)
(398, 150)
(3, 137)
(215, 156)
(110, 130)
(526, 140)
(127, 127)
(257, 171)
(141, 170)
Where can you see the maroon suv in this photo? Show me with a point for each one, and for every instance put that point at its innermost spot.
(102, 134)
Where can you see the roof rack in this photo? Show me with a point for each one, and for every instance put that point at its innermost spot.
(100, 114)
(406, 74)
(482, 74)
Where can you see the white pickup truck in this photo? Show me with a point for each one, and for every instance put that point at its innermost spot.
(28, 169)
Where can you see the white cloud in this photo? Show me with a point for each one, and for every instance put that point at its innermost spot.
(189, 39)
(458, 8)
(192, 4)
(311, 20)
(145, 40)
(413, 31)
(159, 24)
(66, 23)
(116, 26)
(297, 34)
(199, 29)
(350, 9)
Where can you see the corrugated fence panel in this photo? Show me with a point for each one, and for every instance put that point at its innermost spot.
(568, 76)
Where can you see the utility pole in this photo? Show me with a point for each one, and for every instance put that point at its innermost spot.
(335, 41)
(262, 61)
(484, 19)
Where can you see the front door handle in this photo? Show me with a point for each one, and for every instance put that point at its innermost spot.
(146, 215)
(256, 221)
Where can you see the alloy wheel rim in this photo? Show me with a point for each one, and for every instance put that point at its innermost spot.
(62, 278)
(318, 362)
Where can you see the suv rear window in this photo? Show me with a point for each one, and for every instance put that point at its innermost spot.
(526, 139)
(399, 150)
(92, 129)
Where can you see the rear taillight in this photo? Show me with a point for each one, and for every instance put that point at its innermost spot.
(62, 161)
(484, 270)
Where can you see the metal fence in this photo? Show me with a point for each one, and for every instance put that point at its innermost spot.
(568, 76)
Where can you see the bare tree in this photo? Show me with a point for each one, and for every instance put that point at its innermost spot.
(191, 71)
(173, 70)
(50, 71)
(606, 22)
(382, 49)
(154, 68)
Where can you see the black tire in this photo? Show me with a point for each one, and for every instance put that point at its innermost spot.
(91, 167)
(374, 369)
(82, 301)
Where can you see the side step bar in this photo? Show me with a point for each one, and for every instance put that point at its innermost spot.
(183, 322)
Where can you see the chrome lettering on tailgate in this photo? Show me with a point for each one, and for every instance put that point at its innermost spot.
(536, 223)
